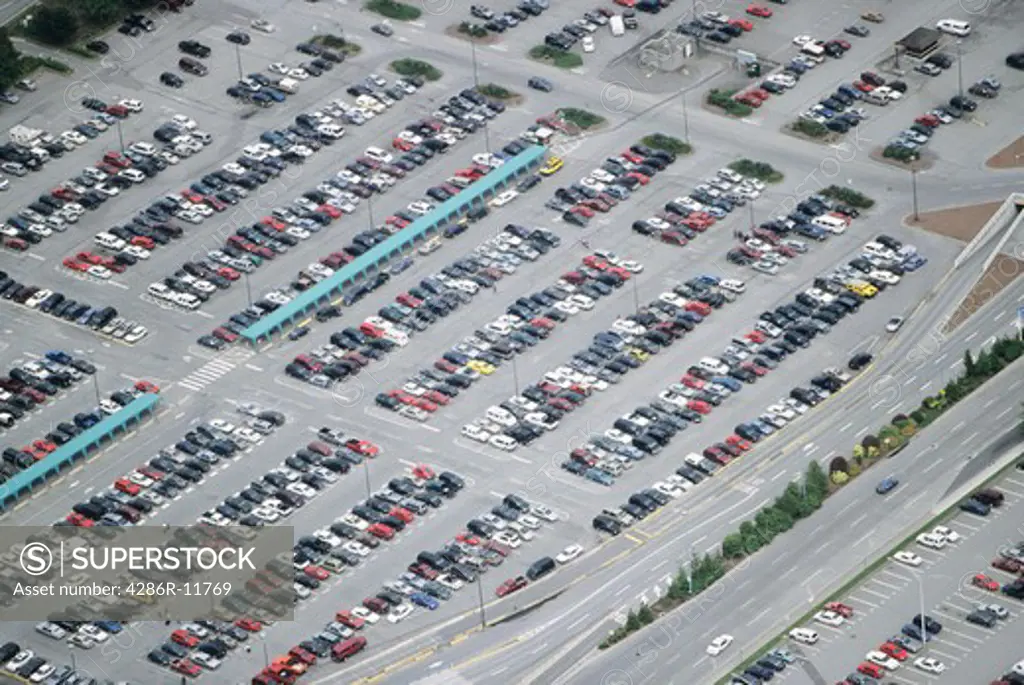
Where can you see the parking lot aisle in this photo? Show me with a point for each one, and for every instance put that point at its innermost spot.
(210, 372)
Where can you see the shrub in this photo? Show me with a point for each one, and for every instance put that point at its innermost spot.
(838, 464)
(562, 59)
(394, 10)
(732, 546)
(416, 67)
(337, 43)
(493, 90)
(660, 141)
(472, 30)
(723, 99)
(854, 471)
(759, 170)
(811, 129)
(840, 478)
(849, 196)
(900, 154)
(53, 24)
(582, 118)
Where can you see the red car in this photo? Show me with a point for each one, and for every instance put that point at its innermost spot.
(303, 655)
(542, 322)
(583, 210)
(16, 244)
(467, 539)
(89, 258)
(701, 308)
(894, 650)
(346, 618)
(929, 120)
(408, 300)
(224, 334)
(402, 514)
(150, 472)
(117, 159)
(574, 277)
(184, 638)
(402, 144)
(744, 24)
(215, 203)
(692, 381)
(192, 196)
(641, 178)
(739, 443)
(423, 472)
(626, 3)
(437, 398)
(275, 224)
(511, 585)
(754, 368)
(759, 11)
(984, 582)
(624, 274)
(699, 406)
(498, 547)
(423, 571)
(186, 668)
(143, 241)
(425, 405)
(381, 530)
(755, 336)
(1008, 565)
(363, 447)
(329, 210)
(228, 273)
(715, 453)
(77, 519)
(249, 624)
(445, 365)
(561, 403)
(673, 238)
(127, 487)
(760, 94)
(863, 86)
(318, 572)
(748, 99)
(44, 445)
(844, 610)
(633, 157)
(595, 262)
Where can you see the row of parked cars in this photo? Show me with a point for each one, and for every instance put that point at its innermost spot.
(104, 320)
(917, 135)
(721, 28)
(31, 384)
(308, 473)
(375, 172)
(28, 667)
(614, 181)
(686, 216)
(499, 22)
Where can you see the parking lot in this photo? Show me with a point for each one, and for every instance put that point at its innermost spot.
(613, 411)
(941, 576)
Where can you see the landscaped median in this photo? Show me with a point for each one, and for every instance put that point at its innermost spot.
(392, 9)
(724, 100)
(496, 92)
(337, 43)
(583, 119)
(660, 141)
(848, 196)
(559, 58)
(416, 67)
(762, 171)
(801, 500)
(797, 502)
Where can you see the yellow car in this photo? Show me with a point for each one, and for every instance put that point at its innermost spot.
(481, 367)
(865, 289)
(639, 354)
(553, 165)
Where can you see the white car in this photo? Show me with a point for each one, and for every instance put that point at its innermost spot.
(733, 285)
(947, 534)
(930, 665)
(495, 522)
(185, 122)
(908, 558)
(503, 442)
(587, 43)
(804, 635)
(42, 673)
(450, 582)
(474, 432)
(673, 299)
(829, 618)
(365, 614)
(262, 25)
(354, 521)
(508, 539)
(719, 645)
(51, 630)
(543, 512)
(568, 554)
(101, 272)
(379, 155)
(580, 301)
(504, 198)
(205, 660)
(298, 73)
(81, 641)
(400, 613)
(356, 548)
(783, 411)
(668, 489)
(883, 660)
(19, 660)
(931, 541)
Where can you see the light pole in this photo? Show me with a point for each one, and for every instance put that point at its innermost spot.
(752, 222)
(686, 121)
(248, 288)
(636, 295)
(476, 76)
(263, 642)
(96, 387)
(913, 189)
(369, 209)
(480, 593)
(515, 375)
(366, 474)
(238, 58)
(487, 137)
(120, 136)
(959, 67)
(71, 653)
(921, 624)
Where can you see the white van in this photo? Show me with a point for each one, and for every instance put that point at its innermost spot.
(832, 224)
(712, 365)
(804, 635)
(288, 85)
(110, 241)
(879, 250)
(814, 51)
(954, 27)
(617, 25)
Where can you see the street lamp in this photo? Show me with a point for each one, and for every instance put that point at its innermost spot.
(636, 295)
(480, 593)
(752, 222)
(913, 188)
(120, 136)
(515, 375)
(366, 474)
(369, 208)
(238, 58)
(96, 387)
(959, 67)
(686, 121)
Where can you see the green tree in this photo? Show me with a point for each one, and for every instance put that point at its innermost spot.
(53, 24)
(645, 615)
(10, 61)
(766, 524)
(817, 481)
(680, 587)
(632, 621)
(752, 539)
(99, 12)
(732, 546)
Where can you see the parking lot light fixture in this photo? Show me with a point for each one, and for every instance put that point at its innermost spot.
(120, 136)
(959, 67)
(686, 121)
(913, 190)
(238, 58)
(366, 474)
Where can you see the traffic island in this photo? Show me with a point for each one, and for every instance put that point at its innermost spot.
(583, 119)
(563, 59)
(496, 92)
(416, 67)
(723, 102)
(1010, 157)
(811, 131)
(338, 43)
(762, 171)
(474, 33)
(660, 141)
(399, 11)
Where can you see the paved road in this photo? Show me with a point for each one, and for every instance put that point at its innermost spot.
(211, 382)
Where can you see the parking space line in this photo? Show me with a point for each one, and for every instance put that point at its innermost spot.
(885, 584)
(965, 636)
(861, 600)
(895, 575)
(872, 592)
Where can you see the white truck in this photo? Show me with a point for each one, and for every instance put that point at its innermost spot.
(23, 135)
(288, 85)
(616, 25)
